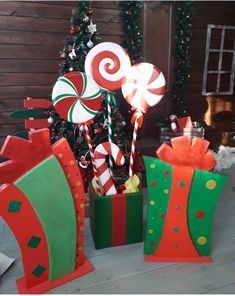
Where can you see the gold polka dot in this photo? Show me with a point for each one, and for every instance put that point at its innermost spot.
(79, 183)
(202, 240)
(82, 205)
(211, 184)
(166, 191)
(81, 228)
(60, 155)
(80, 248)
(72, 162)
(75, 196)
(152, 202)
(152, 165)
(151, 231)
(69, 175)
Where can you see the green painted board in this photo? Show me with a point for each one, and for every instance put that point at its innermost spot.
(22, 134)
(134, 217)
(47, 189)
(159, 180)
(27, 113)
(102, 221)
(204, 193)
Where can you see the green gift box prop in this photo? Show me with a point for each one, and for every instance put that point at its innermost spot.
(182, 196)
(116, 220)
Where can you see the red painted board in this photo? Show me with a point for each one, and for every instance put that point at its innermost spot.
(46, 286)
(19, 214)
(185, 122)
(37, 103)
(176, 240)
(200, 259)
(64, 154)
(36, 123)
(23, 154)
(118, 219)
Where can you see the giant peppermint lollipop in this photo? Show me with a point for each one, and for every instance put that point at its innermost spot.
(77, 98)
(107, 63)
(143, 86)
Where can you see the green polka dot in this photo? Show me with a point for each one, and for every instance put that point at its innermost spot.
(176, 229)
(181, 183)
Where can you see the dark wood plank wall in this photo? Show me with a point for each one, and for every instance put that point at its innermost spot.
(31, 36)
(216, 111)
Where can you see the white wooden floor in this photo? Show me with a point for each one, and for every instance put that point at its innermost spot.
(121, 270)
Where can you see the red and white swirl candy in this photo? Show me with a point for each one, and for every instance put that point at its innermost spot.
(107, 63)
(76, 97)
(101, 151)
(143, 86)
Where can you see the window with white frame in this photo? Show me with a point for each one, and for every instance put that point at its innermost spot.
(219, 68)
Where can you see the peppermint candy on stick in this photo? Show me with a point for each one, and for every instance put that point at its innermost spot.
(101, 151)
(107, 63)
(77, 98)
(143, 86)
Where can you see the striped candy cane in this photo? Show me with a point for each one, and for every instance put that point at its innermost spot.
(88, 139)
(101, 151)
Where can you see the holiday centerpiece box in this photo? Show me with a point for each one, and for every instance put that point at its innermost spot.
(182, 196)
(117, 219)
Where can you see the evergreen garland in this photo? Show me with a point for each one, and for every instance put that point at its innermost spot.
(183, 36)
(132, 27)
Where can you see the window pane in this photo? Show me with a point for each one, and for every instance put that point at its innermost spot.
(213, 61)
(211, 82)
(227, 61)
(224, 82)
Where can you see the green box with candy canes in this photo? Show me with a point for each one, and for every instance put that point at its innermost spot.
(182, 196)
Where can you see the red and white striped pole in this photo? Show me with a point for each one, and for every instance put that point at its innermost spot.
(138, 114)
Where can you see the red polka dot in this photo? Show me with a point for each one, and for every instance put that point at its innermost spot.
(153, 183)
(166, 173)
(152, 243)
(162, 216)
(200, 214)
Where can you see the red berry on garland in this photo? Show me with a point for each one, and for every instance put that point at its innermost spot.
(72, 31)
(90, 11)
(98, 131)
(78, 29)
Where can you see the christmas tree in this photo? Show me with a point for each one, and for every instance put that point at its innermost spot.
(83, 36)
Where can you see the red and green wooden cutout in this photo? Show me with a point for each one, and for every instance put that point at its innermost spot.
(116, 220)
(182, 196)
(34, 116)
(43, 203)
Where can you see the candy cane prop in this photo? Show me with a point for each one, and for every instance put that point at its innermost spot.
(101, 151)
(142, 87)
(107, 63)
(77, 98)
